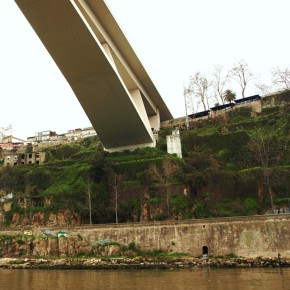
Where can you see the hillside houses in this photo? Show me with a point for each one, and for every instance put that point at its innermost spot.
(15, 151)
(70, 135)
(11, 142)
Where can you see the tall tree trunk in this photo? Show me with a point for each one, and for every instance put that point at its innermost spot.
(269, 188)
(141, 204)
(116, 205)
(90, 204)
(167, 200)
(204, 106)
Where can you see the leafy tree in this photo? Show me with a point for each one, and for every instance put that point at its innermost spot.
(63, 152)
(39, 179)
(98, 166)
(101, 202)
(12, 179)
(229, 96)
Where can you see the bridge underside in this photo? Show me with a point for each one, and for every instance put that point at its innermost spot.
(109, 81)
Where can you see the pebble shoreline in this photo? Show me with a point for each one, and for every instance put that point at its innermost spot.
(141, 263)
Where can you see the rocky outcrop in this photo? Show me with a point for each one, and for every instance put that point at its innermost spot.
(57, 245)
(63, 218)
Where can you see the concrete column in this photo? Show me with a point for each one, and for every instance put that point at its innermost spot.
(174, 143)
(155, 121)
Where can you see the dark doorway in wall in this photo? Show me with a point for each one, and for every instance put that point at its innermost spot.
(205, 250)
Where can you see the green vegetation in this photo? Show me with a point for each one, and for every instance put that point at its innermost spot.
(234, 164)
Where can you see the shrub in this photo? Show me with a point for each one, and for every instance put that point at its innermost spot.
(251, 205)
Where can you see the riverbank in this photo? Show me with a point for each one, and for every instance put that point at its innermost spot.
(142, 263)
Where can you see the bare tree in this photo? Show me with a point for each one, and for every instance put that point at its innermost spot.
(164, 174)
(219, 82)
(189, 104)
(266, 150)
(85, 192)
(188, 99)
(281, 78)
(145, 180)
(88, 192)
(242, 74)
(263, 88)
(199, 87)
(115, 181)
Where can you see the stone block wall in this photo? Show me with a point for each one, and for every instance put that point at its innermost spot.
(249, 237)
(246, 236)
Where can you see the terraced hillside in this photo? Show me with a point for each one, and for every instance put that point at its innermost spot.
(237, 163)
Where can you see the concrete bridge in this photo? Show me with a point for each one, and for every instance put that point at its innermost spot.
(102, 69)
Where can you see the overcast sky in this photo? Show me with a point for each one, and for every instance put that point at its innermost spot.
(172, 38)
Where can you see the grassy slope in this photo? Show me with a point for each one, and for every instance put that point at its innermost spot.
(218, 172)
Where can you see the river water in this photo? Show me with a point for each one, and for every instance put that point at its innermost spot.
(200, 279)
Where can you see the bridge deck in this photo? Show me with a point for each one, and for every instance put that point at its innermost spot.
(75, 45)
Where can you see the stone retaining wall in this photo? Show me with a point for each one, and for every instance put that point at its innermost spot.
(247, 237)
(254, 236)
